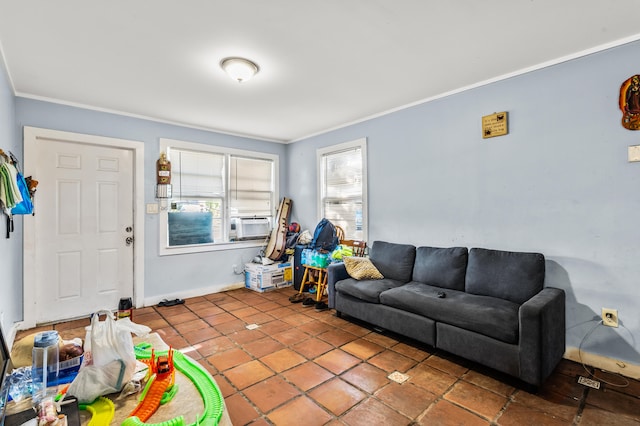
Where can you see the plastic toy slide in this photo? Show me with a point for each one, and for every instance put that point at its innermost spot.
(202, 380)
(158, 387)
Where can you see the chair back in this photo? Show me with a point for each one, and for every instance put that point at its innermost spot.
(358, 247)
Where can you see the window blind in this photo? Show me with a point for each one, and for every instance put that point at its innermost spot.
(197, 174)
(342, 190)
(250, 187)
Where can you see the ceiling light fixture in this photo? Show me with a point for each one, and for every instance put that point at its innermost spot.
(239, 69)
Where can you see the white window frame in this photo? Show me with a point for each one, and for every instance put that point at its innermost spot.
(165, 249)
(358, 143)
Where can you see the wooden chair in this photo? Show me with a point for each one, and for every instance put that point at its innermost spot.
(318, 276)
(359, 250)
(339, 233)
(314, 275)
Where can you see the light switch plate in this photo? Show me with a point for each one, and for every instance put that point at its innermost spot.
(152, 208)
(634, 153)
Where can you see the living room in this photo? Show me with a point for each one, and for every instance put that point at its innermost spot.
(558, 183)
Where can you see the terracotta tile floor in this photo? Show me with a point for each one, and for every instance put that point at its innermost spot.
(302, 367)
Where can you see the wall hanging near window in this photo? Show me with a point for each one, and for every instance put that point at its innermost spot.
(16, 191)
(629, 103)
(163, 177)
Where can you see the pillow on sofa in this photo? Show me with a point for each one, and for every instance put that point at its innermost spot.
(394, 261)
(361, 268)
(514, 276)
(442, 267)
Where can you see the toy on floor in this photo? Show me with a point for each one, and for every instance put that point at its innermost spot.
(160, 386)
(202, 380)
(48, 414)
(102, 411)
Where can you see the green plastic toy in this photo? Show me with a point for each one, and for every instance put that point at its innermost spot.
(202, 380)
(102, 411)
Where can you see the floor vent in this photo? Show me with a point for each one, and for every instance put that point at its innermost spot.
(398, 377)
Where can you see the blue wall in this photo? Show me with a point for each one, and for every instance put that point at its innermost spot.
(558, 183)
(168, 274)
(10, 249)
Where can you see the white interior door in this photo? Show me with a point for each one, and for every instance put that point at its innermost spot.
(83, 246)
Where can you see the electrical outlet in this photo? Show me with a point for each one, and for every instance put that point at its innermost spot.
(610, 317)
(633, 153)
(585, 381)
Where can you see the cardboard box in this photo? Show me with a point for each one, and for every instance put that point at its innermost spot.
(259, 268)
(263, 278)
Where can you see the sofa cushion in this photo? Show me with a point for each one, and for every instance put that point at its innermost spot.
(361, 268)
(442, 267)
(490, 316)
(367, 290)
(394, 261)
(514, 276)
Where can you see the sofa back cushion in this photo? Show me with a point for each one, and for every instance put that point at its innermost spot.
(513, 276)
(441, 267)
(394, 261)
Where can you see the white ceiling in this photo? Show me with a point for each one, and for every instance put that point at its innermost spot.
(323, 63)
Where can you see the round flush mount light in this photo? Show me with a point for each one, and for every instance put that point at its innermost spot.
(239, 69)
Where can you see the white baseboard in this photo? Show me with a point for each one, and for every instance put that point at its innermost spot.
(603, 363)
(150, 301)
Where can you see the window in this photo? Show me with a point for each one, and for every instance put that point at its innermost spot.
(221, 198)
(343, 187)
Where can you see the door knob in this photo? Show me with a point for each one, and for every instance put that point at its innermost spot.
(129, 241)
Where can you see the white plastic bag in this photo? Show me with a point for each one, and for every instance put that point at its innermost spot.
(305, 237)
(113, 358)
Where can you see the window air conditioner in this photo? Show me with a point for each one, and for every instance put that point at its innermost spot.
(248, 228)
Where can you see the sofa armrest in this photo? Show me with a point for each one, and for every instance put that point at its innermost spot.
(542, 334)
(335, 273)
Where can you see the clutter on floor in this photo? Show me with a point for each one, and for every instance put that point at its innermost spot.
(107, 368)
(173, 302)
(263, 278)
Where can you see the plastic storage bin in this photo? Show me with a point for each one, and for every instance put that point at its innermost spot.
(314, 258)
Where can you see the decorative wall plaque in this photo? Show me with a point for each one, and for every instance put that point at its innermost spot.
(494, 125)
(630, 103)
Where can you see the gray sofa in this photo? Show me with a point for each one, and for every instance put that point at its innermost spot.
(488, 306)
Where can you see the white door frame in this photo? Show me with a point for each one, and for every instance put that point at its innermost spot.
(31, 136)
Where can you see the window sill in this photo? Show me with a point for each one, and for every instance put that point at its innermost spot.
(201, 248)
